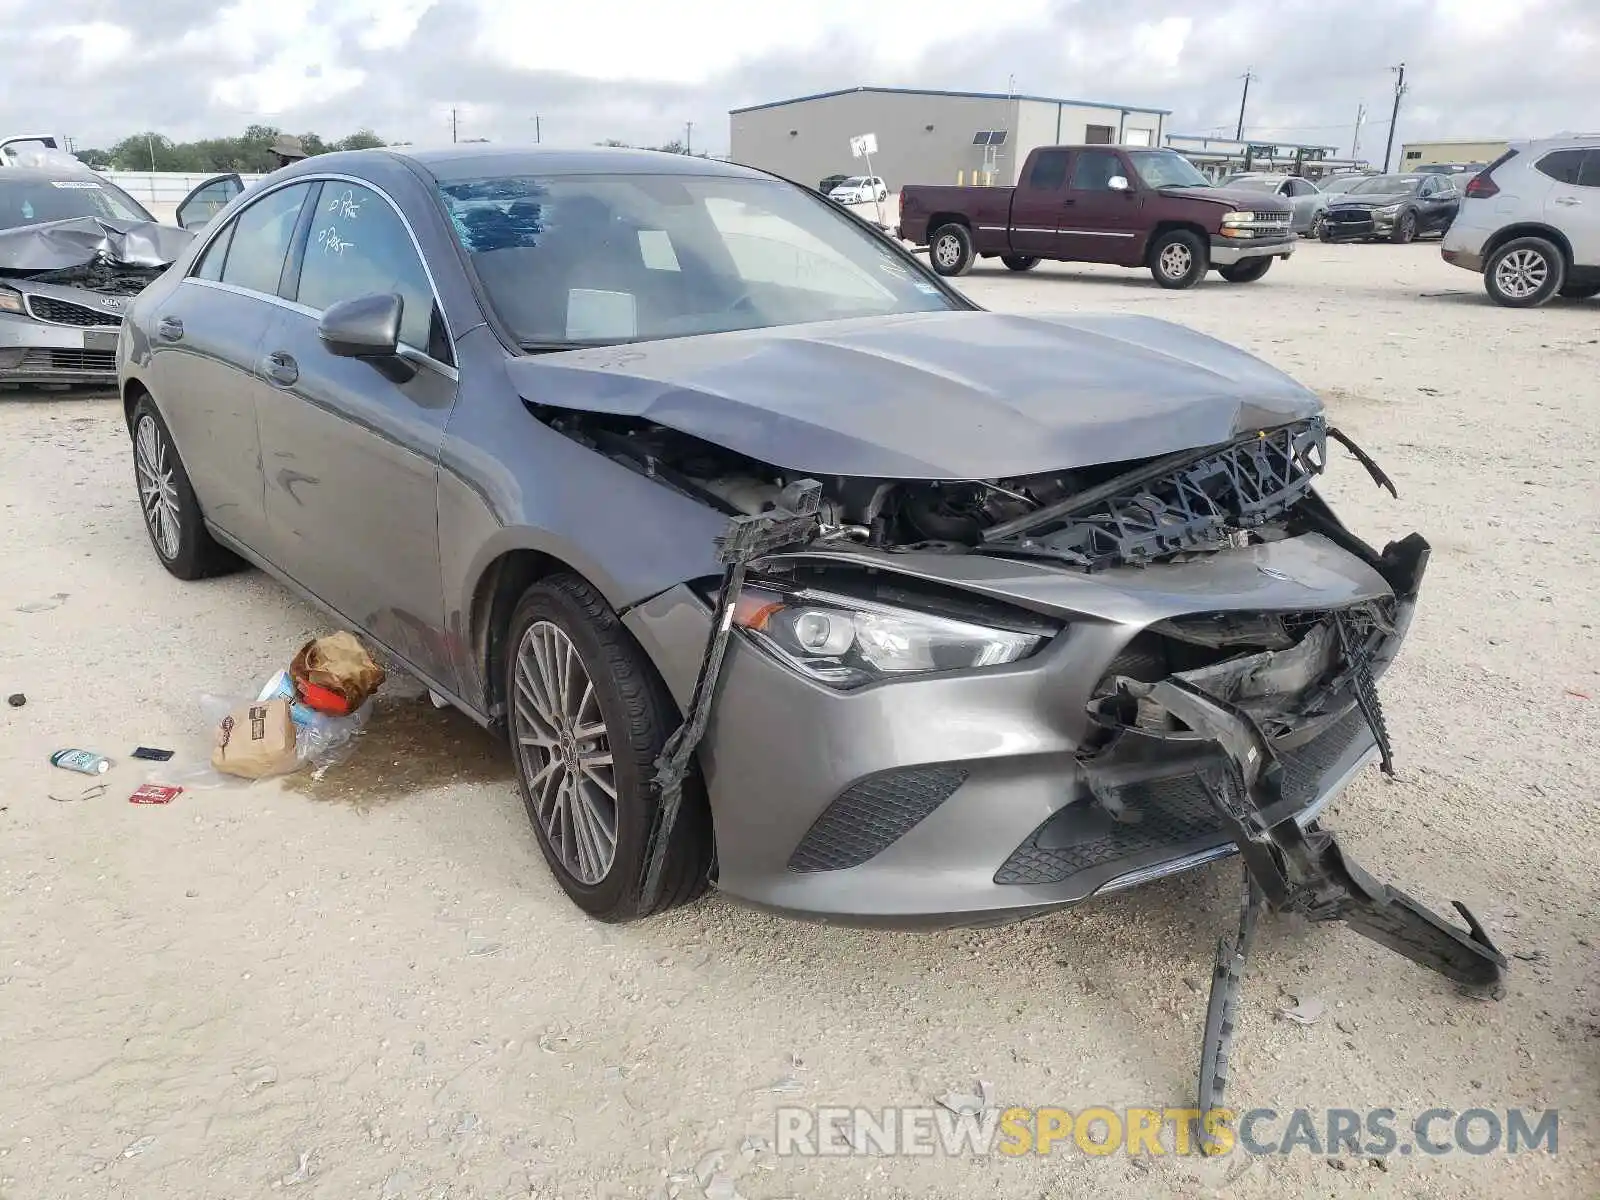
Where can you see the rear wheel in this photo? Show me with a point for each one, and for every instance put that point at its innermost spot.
(1524, 273)
(172, 516)
(950, 249)
(587, 716)
(1019, 262)
(1178, 259)
(1248, 271)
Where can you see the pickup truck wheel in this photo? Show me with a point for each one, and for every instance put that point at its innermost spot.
(1178, 259)
(1019, 262)
(950, 249)
(1248, 271)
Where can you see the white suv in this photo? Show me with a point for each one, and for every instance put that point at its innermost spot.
(1530, 222)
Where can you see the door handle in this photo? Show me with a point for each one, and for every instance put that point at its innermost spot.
(1568, 201)
(280, 367)
(1069, 201)
(169, 329)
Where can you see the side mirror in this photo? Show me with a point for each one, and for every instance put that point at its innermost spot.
(1118, 183)
(368, 328)
(365, 327)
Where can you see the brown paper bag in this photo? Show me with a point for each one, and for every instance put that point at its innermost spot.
(338, 664)
(256, 740)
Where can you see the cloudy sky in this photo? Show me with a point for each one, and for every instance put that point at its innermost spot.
(639, 70)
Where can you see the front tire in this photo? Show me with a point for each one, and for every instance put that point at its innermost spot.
(587, 715)
(1178, 259)
(172, 516)
(950, 249)
(1248, 271)
(1524, 273)
(1405, 229)
(1019, 262)
(1580, 291)
(1316, 231)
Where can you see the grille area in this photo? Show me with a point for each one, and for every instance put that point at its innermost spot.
(75, 362)
(64, 312)
(1176, 815)
(869, 816)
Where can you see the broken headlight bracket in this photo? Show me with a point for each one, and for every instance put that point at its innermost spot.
(1297, 870)
(792, 522)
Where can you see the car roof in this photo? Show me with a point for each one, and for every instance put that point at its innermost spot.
(456, 162)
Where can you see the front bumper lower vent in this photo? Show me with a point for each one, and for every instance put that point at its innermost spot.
(870, 815)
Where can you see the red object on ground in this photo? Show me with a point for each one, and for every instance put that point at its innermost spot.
(155, 793)
(324, 700)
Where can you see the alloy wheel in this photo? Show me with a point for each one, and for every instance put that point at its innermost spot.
(565, 748)
(1176, 260)
(158, 492)
(948, 251)
(1521, 273)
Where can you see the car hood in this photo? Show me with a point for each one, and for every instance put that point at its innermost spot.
(1373, 199)
(1233, 197)
(53, 245)
(946, 395)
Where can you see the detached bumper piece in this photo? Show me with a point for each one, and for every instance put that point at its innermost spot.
(1297, 870)
(792, 522)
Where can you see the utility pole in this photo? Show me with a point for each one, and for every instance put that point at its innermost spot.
(688, 137)
(1399, 90)
(1355, 145)
(453, 125)
(1238, 134)
(536, 129)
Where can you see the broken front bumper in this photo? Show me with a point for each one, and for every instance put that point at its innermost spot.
(34, 352)
(967, 798)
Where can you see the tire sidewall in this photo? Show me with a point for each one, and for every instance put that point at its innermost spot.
(1553, 284)
(1405, 228)
(1198, 259)
(963, 240)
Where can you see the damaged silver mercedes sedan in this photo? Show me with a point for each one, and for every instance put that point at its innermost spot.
(785, 568)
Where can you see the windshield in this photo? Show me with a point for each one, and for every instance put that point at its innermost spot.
(855, 181)
(1383, 185)
(1255, 185)
(593, 259)
(31, 201)
(1166, 168)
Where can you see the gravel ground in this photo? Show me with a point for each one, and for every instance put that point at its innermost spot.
(370, 987)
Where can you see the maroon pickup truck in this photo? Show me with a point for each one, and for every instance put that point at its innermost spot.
(1106, 204)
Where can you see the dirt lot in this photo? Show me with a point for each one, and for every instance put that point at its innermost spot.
(370, 987)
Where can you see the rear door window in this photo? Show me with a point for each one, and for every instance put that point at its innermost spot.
(260, 240)
(1049, 171)
(1589, 172)
(1564, 166)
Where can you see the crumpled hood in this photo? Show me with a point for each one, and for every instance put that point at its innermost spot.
(944, 395)
(1371, 199)
(52, 245)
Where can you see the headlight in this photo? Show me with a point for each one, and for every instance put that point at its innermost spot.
(845, 643)
(10, 301)
(1238, 218)
(1388, 210)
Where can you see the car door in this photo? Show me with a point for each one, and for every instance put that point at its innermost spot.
(1037, 206)
(350, 447)
(1573, 202)
(1447, 202)
(1100, 218)
(196, 210)
(207, 336)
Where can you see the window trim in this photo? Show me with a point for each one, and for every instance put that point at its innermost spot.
(296, 255)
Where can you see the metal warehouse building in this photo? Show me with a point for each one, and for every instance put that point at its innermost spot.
(924, 136)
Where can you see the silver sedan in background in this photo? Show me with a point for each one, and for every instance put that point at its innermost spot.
(1305, 199)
